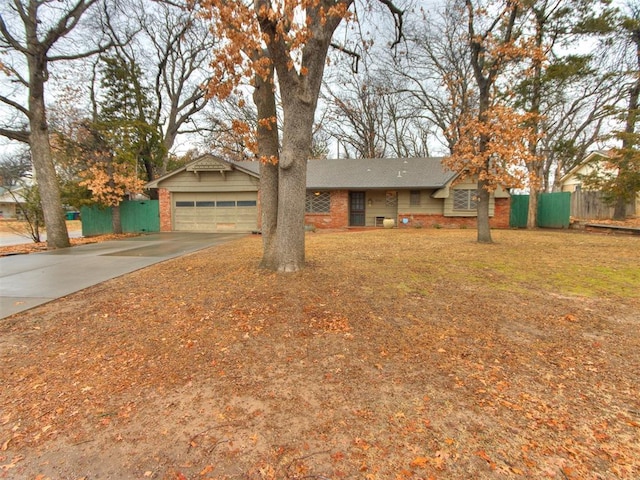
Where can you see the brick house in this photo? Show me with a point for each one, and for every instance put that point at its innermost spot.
(215, 195)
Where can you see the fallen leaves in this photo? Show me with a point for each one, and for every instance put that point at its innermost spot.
(160, 369)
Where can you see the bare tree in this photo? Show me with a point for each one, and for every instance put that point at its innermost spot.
(35, 34)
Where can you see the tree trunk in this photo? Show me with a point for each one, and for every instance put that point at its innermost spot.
(532, 213)
(620, 209)
(268, 151)
(45, 173)
(116, 221)
(269, 214)
(292, 184)
(484, 230)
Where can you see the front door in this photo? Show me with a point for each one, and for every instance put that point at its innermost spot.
(356, 209)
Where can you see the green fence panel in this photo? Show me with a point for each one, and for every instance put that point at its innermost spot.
(95, 221)
(135, 217)
(554, 210)
(519, 211)
(140, 216)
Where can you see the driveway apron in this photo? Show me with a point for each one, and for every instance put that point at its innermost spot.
(27, 281)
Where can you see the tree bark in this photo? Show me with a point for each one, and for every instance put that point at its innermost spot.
(484, 230)
(116, 221)
(57, 234)
(532, 212)
(292, 183)
(268, 150)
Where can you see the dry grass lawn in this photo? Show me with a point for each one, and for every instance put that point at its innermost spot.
(411, 354)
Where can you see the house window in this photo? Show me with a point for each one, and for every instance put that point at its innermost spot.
(318, 202)
(247, 203)
(225, 203)
(465, 199)
(414, 197)
(184, 204)
(391, 199)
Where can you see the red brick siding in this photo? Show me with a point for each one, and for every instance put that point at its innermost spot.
(338, 216)
(500, 219)
(164, 197)
(502, 213)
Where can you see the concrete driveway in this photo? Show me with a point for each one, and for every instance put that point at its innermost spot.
(30, 280)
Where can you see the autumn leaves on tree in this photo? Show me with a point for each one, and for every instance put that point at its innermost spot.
(288, 41)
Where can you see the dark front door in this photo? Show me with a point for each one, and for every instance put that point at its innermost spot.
(356, 209)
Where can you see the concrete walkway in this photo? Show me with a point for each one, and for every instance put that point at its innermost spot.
(30, 280)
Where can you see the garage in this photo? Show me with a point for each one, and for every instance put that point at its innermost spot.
(209, 194)
(215, 212)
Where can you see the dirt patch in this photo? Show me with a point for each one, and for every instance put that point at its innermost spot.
(395, 354)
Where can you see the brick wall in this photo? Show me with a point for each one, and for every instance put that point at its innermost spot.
(500, 218)
(164, 197)
(338, 216)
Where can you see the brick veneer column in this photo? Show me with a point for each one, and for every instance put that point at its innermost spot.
(339, 209)
(164, 198)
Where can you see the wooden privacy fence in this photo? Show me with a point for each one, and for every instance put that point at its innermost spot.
(135, 217)
(590, 205)
(554, 210)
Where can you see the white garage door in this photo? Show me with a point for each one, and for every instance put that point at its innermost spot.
(215, 212)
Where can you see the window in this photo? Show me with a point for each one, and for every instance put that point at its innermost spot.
(465, 199)
(226, 203)
(318, 202)
(184, 204)
(414, 197)
(206, 203)
(391, 199)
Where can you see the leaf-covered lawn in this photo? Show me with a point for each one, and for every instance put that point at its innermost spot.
(409, 354)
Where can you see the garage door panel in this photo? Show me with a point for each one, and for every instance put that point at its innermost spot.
(211, 212)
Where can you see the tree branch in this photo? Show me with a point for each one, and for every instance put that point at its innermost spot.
(17, 106)
(397, 18)
(356, 56)
(17, 135)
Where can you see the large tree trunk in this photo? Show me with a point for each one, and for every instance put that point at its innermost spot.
(292, 183)
(290, 241)
(116, 220)
(484, 230)
(269, 214)
(532, 213)
(45, 173)
(268, 151)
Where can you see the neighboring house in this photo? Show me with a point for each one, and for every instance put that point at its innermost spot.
(573, 180)
(585, 203)
(211, 194)
(9, 200)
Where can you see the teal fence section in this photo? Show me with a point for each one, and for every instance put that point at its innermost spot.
(135, 216)
(554, 210)
(95, 221)
(519, 211)
(140, 216)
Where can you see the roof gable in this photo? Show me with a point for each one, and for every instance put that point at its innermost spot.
(205, 163)
(586, 166)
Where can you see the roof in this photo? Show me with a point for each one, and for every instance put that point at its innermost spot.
(208, 163)
(11, 195)
(337, 174)
(372, 173)
(591, 159)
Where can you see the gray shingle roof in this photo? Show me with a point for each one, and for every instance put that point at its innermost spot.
(372, 173)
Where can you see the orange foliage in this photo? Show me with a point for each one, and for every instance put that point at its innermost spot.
(250, 33)
(495, 148)
(109, 183)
